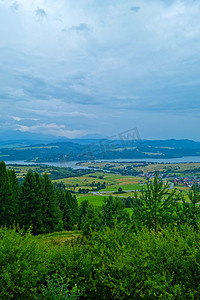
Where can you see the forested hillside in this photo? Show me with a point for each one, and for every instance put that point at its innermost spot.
(101, 149)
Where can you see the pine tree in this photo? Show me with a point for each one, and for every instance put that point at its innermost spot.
(6, 205)
(73, 205)
(40, 195)
(30, 204)
(155, 206)
(52, 216)
(14, 204)
(83, 208)
(189, 212)
(111, 210)
(67, 216)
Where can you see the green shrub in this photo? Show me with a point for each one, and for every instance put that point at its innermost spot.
(23, 264)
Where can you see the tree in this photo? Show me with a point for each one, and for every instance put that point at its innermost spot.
(90, 221)
(14, 208)
(67, 216)
(83, 208)
(110, 210)
(52, 216)
(189, 212)
(31, 203)
(7, 209)
(155, 205)
(73, 205)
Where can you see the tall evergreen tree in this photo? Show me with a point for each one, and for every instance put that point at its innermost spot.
(155, 206)
(73, 205)
(82, 211)
(14, 203)
(67, 216)
(189, 212)
(6, 205)
(30, 204)
(52, 216)
(40, 195)
(112, 209)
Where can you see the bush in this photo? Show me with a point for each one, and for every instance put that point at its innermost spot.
(115, 263)
(23, 264)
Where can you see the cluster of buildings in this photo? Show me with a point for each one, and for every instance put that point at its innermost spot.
(187, 181)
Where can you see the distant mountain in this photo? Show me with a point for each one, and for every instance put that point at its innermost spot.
(11, 135)
(91, 149)
(183, 143)
(13, 139)
(92, 136)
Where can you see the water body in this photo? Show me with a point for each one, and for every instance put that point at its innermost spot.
(184, 159)
(75, 164)
(69, 164)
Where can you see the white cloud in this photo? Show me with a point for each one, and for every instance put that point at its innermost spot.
(52, 128)
(17, 118)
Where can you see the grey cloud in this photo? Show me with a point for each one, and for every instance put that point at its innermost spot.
(64, 30)
(135, 8)
(81, 27)
(40, 14)
(15, 6)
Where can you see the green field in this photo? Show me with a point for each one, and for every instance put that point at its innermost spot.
(112, 181)
(21, 171)
(58, 237)
(96, 200)
(171, 168)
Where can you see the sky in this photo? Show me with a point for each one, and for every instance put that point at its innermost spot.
(98, 68)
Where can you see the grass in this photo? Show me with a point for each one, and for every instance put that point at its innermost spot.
(21, 171)
(129, 187)
(58, 237)
(112, 181)
(96, 200)
(177, 168)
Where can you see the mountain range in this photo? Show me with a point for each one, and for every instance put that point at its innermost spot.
(54, 150)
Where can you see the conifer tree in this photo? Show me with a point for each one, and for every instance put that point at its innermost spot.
(30, 204)
(52, 216)
(83, 208)
(40, 195)
(67, 215)
(189, 212)
(6, 207)
(110, 210)
(155, 205)
(14, 203)
(73, 205)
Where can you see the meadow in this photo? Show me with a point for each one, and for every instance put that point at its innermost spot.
(172, 168)
(111, 179)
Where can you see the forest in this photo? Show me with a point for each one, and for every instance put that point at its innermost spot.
(151, 253)
(84, 150)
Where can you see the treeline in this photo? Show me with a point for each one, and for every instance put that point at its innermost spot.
(35, 203)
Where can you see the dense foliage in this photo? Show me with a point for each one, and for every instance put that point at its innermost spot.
(35, 203)
(152, 254)
(116, 263)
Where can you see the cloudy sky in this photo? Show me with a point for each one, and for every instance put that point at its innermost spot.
(74, 68)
